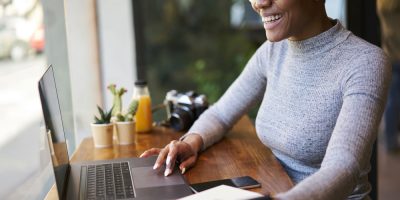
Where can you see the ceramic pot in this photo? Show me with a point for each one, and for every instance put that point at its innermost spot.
(102, 135)
(126, 132)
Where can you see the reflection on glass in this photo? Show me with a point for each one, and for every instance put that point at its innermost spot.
(57, 151)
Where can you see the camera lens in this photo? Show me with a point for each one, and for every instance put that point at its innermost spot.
(181, 119)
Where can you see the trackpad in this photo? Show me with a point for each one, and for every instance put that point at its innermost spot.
(144, 177)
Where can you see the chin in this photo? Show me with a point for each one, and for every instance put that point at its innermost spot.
(273, 37)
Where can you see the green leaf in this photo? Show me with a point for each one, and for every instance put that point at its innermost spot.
(97, 120)
(102, 115)
(133, 107)
(120, 117)
(129, 118)
(108, 115)
(105, 117)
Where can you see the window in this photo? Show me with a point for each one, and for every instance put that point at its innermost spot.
(336, 9)
(25, 168)
(197, 45)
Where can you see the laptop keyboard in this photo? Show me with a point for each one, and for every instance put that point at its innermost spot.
(109, 181)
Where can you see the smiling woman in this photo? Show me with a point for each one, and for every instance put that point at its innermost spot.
(323, 91)
(296, 20)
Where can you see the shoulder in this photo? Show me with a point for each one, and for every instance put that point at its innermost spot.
(360, 56)
(368, 66)
(364, 53)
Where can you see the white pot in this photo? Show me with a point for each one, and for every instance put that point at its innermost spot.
(102, 135)
(126, 132)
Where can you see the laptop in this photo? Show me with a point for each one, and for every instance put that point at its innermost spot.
(132, 178)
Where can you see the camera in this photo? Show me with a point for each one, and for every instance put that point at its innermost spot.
(184, 108)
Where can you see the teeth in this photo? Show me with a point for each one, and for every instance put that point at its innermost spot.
(271, 18)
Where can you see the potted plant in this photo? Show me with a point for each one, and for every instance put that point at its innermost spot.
(102, 129)
(117, 104)
(125, 125)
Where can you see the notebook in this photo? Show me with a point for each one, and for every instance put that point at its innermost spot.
(132, 178)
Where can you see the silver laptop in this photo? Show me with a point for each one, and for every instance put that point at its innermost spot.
(132, 178)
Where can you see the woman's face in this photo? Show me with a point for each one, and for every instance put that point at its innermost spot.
(292, 19)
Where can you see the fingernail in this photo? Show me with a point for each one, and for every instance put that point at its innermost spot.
(156, 166)
(167, 172)
(168, 161)
(141, 155)
(183, 170)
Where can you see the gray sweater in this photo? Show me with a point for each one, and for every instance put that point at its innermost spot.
(322, 101)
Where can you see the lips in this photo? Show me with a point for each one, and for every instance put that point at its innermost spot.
(271, 20)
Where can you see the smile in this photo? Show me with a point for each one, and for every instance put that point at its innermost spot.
(271, 18)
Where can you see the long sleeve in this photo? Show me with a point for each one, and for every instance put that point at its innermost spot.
(247, 89)
(365, 88)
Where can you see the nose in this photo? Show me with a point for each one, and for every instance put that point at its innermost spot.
(260, 4)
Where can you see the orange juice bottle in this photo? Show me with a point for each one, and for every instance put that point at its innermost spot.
(143, 116)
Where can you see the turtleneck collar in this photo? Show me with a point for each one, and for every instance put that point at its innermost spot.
(319, 43)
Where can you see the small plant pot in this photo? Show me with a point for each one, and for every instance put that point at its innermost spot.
(102, 135)
(126, 132)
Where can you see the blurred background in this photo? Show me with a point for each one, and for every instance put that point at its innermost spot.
(199, 45)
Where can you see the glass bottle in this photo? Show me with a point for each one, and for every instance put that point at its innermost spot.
(143, 116)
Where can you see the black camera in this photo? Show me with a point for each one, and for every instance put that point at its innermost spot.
(184, 108)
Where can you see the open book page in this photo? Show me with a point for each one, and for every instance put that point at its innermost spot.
(223, 192)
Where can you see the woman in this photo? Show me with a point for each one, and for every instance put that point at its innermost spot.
(323, 91)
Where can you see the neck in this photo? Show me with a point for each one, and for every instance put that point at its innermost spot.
(322, 42)
(321, 24)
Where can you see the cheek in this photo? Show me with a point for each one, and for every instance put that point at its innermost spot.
(290, 21)
(293, 20)
(287, 5)
(289, 8)
(292, 8)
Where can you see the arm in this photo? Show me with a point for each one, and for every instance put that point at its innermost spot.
(209, 128)
(246, 90)
(364, 95)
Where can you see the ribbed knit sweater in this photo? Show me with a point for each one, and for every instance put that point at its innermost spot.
(322, 101)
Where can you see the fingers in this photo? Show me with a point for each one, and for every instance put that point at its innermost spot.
(171, 158)
(150, 152)
(170, 154)
(188, 163)
(161, 158)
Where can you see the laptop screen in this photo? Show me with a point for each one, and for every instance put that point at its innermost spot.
(54, 126)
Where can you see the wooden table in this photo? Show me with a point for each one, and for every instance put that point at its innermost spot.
(240, 153)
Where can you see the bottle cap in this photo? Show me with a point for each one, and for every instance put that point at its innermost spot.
(140, 83)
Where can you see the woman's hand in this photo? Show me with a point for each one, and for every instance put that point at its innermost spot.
(183, 151)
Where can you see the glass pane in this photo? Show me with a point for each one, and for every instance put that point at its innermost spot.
(336, 9)
(25, 167)
(199, 45)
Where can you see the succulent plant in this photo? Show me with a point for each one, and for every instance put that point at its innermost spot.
(117, 101)
(105, 117)
(128, 116)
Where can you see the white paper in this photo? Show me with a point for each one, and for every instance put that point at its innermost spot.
(223, 192)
